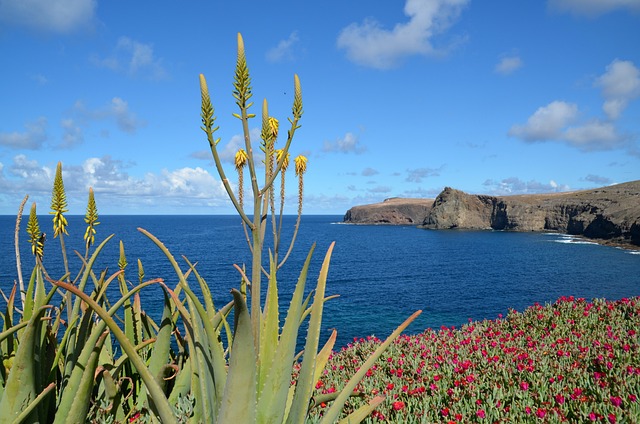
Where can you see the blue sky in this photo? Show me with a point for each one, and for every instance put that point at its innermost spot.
(401, 98)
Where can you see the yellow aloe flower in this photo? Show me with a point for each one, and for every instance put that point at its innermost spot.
(36, 238)
(91, 218)
(301, 164)
(59, 204)
(273, 127)
(241, 159)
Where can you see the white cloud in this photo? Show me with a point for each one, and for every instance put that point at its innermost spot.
(593, 135)
(558, 121)
(347, 144)
(547, 122)
(32, 138)
(508, 65)
(593, 8)
(134, 58)
(370, 44)
(284, 50)
(620, 85)
(57, 16)
(554, 123)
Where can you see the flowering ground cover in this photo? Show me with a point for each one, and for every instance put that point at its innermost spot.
(570, 361)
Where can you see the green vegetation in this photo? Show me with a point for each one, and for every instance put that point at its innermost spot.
(571, 361)
(92, 359)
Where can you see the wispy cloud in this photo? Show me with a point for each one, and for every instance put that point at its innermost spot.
(133, 58)
(368, 172)
(593, 8)
(369, 44)
(419, 174)
(508, 65)
(514, 185)
(117, 110)
(347, 144)
(597, 179)
(561, 121)
(285, 50)
(32, 138)
(55, 16)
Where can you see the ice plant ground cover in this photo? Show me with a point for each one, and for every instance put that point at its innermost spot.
(570, 361)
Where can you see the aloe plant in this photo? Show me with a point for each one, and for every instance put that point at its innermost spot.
(90, 359)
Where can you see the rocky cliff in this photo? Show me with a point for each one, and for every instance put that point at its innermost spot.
(399, 211)
(610, 213)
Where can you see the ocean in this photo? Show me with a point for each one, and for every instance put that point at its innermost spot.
(382, 274)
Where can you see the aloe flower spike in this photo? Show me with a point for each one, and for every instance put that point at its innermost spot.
(36, 238)
(91, 218)
(59, 204)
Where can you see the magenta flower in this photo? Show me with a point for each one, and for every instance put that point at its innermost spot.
(616, 401)
(480, 413)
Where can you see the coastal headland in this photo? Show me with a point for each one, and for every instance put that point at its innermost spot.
(609, 215)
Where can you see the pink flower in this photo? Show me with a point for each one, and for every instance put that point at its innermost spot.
(480, 413)
(559, 399)
(524, 386)
(540, 413)
(612, 418)
(616, 401)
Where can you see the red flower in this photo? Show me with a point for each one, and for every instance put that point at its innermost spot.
(612, 418)
(540, 413)
(480, 413)
(524, 386)
(398, 405)
(444, 412)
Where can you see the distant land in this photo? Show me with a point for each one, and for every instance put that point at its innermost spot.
(609, 215)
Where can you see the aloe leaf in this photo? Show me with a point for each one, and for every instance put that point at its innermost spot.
(22, 417)
(239, 401)
(216, 363)
(273, 396)
(160, 353)
(363, 412)
(332, 414)
(202, 376)
(163, 407)
(182, 384)
(270, 326)
(29, 296)
(7, 348)
(72, 351)
(82, 399)
(305, 383)
(323, 355)
(21, 388)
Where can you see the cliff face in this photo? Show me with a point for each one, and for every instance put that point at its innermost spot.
(392, 211)
(609, 213)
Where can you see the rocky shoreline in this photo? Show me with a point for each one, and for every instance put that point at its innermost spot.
(608, 215)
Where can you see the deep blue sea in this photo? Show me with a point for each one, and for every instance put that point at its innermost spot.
(382, 273)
